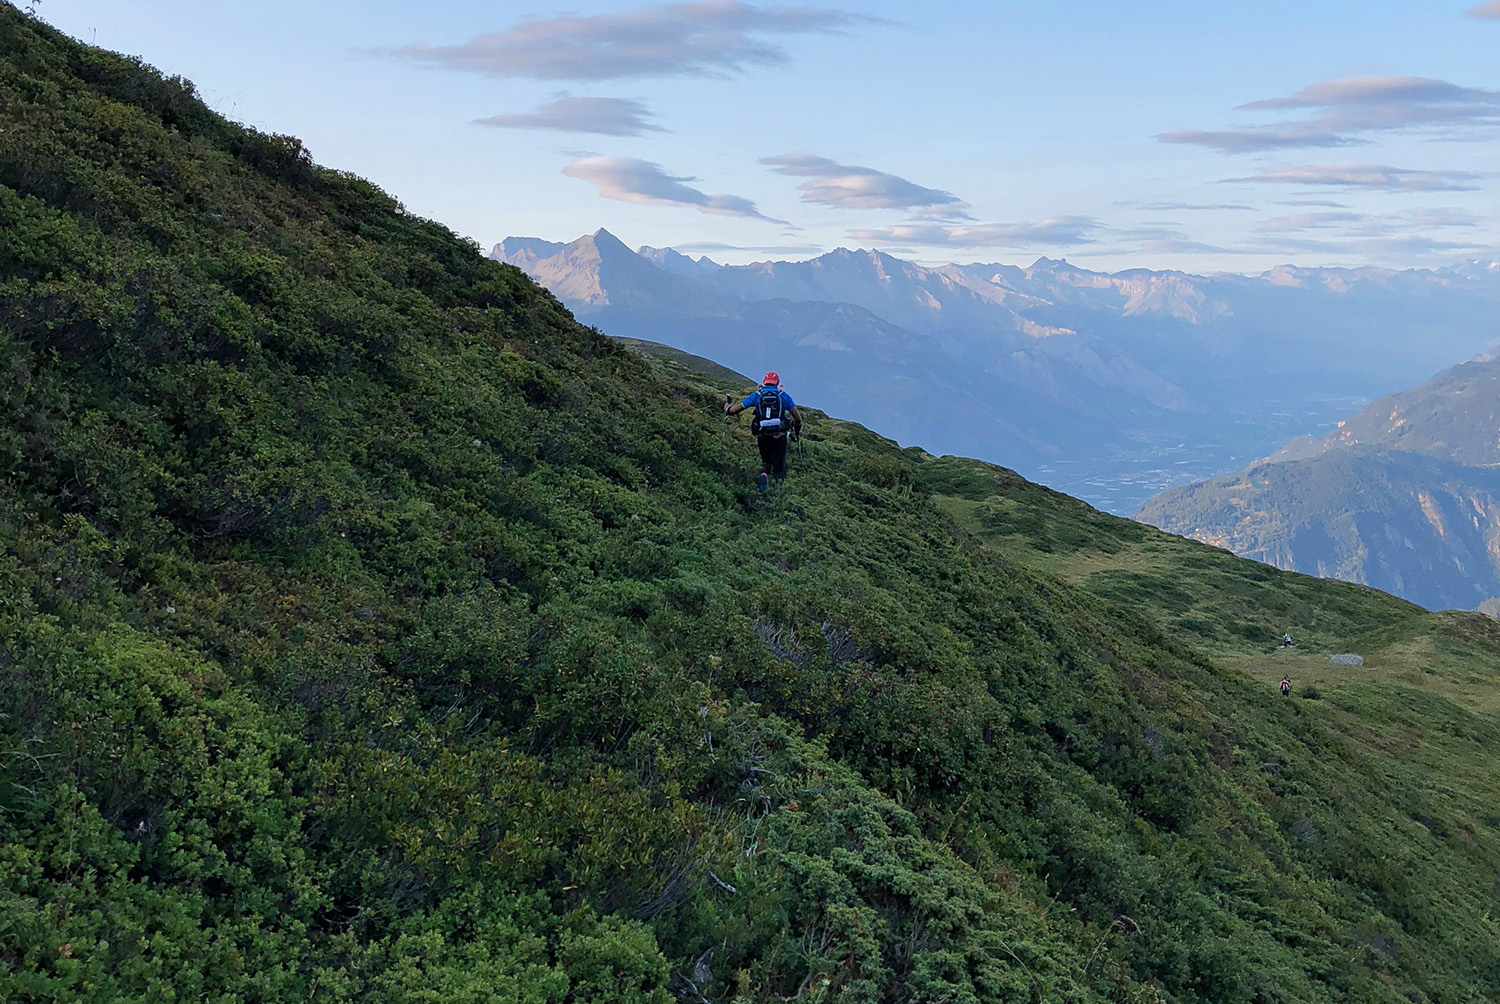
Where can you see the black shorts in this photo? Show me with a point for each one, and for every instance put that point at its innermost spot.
(773, 455)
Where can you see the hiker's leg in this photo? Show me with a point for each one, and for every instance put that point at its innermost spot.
(767, 454)
(778, 460)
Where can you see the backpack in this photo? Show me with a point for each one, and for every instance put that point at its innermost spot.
(768, 417)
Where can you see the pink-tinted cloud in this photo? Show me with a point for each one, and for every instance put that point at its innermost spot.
(1344, 109)
(844, 186)
(627, 179)
(1376, 177)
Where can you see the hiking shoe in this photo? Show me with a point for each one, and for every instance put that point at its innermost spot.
(763, 481)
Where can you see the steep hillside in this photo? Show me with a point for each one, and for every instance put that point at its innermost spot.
(1404, 496)
(373, 631)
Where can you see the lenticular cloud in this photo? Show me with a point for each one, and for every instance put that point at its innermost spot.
(627, 179)
(705, 38)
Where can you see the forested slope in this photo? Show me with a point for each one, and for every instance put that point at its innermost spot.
(1422, 527)
(1403, 496)
(1454, 416)
(370, 630)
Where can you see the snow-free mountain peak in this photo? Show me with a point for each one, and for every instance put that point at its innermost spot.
(672, 260)
(528, 249)
(1403, 495)
(598, 271)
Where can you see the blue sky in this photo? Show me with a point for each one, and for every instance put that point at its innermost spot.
(1116, 135)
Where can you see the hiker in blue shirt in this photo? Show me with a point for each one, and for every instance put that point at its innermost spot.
(776, 415)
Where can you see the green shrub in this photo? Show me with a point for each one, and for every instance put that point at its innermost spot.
(350, 649)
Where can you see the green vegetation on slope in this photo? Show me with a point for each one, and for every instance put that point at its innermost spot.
(1201, 594)
(369, 630)
(697, 364)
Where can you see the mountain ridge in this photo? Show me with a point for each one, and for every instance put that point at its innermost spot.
(1114, 387)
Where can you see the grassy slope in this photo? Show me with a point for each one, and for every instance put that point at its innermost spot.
(696, 364)
(1203, 594)
(1421, 712)
(355, 647)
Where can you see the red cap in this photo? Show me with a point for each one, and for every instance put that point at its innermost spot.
(772, 380)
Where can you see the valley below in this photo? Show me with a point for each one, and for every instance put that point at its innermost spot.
(1151, 462)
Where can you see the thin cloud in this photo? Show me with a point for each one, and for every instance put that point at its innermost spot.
(1440, 217)
(1417, 244)
(1344, 108)
(1173, 207)
(1167, 240)
(1324, 203)
(1382, 247)
(1345, 237)
(1056, 231)
(627, 179)
(844, 186)
(1307, 221)
(1376, 92)
(1372, 103)
(1380, 237)
(1485, 11)
(1234, 141)
(708, 247)
(604, 116)
(714, 38)
(1375, 177)
(1179, 244)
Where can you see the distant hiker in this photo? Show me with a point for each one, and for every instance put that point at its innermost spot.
(1286, 686)
(775, 416)
(1286, 641)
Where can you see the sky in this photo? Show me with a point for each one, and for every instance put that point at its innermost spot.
(1201, 136)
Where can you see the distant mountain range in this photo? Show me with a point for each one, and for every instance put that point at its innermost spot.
(1404, 496)
(1111, 387)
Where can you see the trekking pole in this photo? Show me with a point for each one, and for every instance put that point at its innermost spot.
(724, 421)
